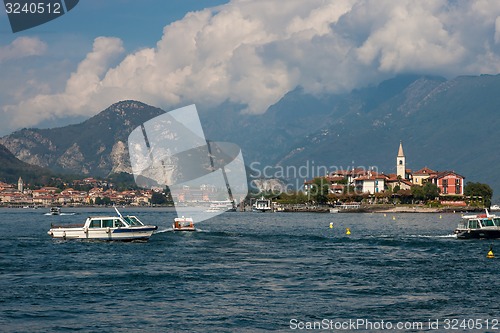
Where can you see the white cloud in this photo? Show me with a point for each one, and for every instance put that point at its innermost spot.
(253, 52)
(83, 89)
(22, 47)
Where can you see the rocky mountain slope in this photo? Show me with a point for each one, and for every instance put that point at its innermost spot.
(97, 146)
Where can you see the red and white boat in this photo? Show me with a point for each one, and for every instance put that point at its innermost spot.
(183, 224)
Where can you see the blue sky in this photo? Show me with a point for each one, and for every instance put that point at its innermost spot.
(139, 23)
(174, 53)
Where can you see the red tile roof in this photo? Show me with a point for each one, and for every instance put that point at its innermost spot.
(425, 171)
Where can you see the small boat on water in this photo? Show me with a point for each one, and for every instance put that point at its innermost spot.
(495, 208)
(54, 211)
(479, 226)
(183, 224)
(122, 228)
(221, 206)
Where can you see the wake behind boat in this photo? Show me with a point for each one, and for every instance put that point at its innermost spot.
(124, 228)
(479, 226)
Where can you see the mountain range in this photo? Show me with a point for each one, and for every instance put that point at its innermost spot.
(97, 146)
(443, 124)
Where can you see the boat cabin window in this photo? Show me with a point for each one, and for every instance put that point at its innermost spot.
(487, 223)
(95, 224)
(118, 223)
(496, 221)
(473, 224)
(107, 223)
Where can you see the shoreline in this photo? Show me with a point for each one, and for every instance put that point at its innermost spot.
(384, 209)
(413, 209)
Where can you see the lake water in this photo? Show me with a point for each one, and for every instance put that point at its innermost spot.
(249, 272)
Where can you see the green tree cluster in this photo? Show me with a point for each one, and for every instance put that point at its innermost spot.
(293, 198)
(479, 190)
(158, 198)
(105, 201)
(319, 190)
(427, 192)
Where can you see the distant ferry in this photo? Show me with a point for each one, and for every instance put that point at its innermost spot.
(221, 206)
(262, 205)
(479, 226)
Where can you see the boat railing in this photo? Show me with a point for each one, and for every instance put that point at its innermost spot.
(61, 226)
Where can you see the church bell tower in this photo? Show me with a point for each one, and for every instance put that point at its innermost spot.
(401, 162)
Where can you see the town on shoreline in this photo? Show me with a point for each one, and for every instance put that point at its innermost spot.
(354, 190)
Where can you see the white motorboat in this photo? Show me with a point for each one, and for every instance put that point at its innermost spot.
(479, 226)
(123, 228)
(54, 211)
(495, 208)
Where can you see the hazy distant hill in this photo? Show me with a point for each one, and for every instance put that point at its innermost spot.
(11, 169)
(444, 124)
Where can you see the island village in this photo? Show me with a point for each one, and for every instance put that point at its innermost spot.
(367, 189)
(446, 187)
(341, 189)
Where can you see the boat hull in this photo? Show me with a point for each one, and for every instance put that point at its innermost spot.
(477, 233)
(184, 229)
(108, 234)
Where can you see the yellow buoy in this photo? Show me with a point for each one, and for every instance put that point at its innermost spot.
(331, 225)
(385, 214)
(394, 217)
(490, 253)
(347, 231)
(440, 216)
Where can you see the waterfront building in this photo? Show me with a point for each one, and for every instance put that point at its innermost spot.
(371, 183)
(421, 176)
(448, 182)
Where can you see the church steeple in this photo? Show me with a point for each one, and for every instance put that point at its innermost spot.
(20, 185)
(400, 152)
(401, 162)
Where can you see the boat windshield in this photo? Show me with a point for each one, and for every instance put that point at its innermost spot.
(132, 220)
(496, 221)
